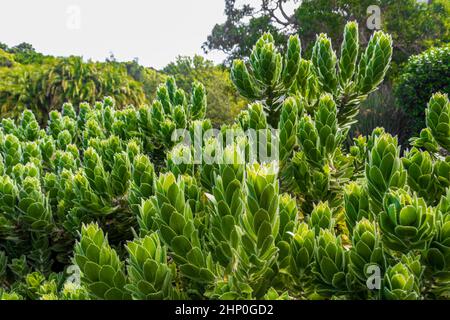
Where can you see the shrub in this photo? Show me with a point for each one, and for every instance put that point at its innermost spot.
(86, 213)
(423, 75)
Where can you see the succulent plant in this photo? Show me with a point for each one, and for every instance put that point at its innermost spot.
(289, 217)
(227, 205)
(309, 140)
(321, 218)
(180, 160)
(143, 176)
(198, 102)
(260, 221)
(149, 275)
(8, 196)
(349, 53)
(400, 283)
(101, 269)
(331, 263)
(421, 178)
(120, 174)
(302, 252)
(406, 221)
(168, 210)
(356, 203)
(288, 128)
(374, 62)
(309, 222)
(270, 75)
(324, 60)
(33, 205)
(346, 79)
(12, 151)
(326, 125)
(437, 117)
(366, 251)
(437, 256)
(442, 173)
(426, 141)
(68, 110)
(307, 84)
(384, 170)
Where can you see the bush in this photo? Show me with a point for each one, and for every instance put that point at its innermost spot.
(83, 194)
(423, 75)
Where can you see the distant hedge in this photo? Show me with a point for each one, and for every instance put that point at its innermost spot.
(423, 75)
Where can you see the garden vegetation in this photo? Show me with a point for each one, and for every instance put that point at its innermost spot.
(97, 205)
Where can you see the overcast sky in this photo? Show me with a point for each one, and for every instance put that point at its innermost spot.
(155, 31)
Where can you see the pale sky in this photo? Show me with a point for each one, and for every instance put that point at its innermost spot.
(155, 31)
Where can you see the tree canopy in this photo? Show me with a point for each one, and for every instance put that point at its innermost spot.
(29, 79)
(413, 25)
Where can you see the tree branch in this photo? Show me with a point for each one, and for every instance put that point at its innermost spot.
(285, 15)
(272, 14)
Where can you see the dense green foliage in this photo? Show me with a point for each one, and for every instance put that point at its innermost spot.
(148, 77)
(423, 75)
(85, 166)
(24, 53)
(43, 87)
(224, 102)
(270, 78)
(41, 83)
(88, 211)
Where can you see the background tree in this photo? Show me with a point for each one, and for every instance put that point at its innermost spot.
(148, 76)
(414, 26)
(43, 82)
(25, 53)
(45, 87)
(421, 76)
(242, 29)
(6, 59)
